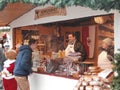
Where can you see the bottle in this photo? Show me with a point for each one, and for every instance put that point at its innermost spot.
(59, 54)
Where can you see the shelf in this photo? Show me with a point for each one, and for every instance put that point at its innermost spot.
(106, 28)
(109, 26)
(105, 36)
(41, 44)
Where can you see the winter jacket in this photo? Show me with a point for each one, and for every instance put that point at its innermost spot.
(78, 47)
(2, 58)
(23, 64)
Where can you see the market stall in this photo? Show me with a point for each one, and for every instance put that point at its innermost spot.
(61, 77)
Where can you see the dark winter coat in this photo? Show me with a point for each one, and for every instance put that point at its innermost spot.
(2, 58)
(23, 65)
(78, 47)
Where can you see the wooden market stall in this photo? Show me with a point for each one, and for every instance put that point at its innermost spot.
(53, 34)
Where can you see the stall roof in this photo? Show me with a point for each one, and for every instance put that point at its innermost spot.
(13, 11)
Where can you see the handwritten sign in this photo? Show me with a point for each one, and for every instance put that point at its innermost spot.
(49, 11)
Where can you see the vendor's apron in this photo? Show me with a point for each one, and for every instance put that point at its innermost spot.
(70, 48)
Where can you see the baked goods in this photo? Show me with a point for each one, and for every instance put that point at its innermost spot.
(89, 88)
(96, 78)
(97, 88)
(91, 82)
(94, 69)
(87, 78)
(84, 83)
(81, 88)
(76, 75)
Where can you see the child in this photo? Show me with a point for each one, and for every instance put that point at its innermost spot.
(9, 82)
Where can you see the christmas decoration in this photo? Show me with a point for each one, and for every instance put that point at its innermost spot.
(115, 85)
(106, 5)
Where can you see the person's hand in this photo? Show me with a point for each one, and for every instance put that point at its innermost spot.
(4, 73)
(75, 61)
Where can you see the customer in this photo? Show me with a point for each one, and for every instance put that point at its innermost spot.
(75, 47)
(106, 55)
(23, 65)
(9, 81)
(2, 59)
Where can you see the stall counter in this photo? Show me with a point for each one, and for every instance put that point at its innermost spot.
(50, 82)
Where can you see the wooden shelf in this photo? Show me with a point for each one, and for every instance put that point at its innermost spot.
(106, 28)
(105, 36)
(42, 44)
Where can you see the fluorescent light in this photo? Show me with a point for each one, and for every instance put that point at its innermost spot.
(4, 27)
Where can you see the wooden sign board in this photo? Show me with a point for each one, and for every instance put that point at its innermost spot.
(49, 11)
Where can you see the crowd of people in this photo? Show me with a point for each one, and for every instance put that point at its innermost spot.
(16, 65)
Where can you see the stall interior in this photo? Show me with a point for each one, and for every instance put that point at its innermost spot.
(53, 38)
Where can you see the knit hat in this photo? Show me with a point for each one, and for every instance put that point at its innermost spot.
(108, 41)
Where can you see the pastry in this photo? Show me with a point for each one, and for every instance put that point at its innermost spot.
(84, 83)
(96, 78)
(96, 88)
(89, 88)
(81, 88)
(87, 78)
(94, 83)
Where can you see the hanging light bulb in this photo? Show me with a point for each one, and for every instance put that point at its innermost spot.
(100, 20)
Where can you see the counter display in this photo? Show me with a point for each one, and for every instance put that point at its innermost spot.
(61, 67)
(65, 74)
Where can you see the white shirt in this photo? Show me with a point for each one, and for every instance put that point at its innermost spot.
(103, 61)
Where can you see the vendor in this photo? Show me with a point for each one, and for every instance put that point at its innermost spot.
(75, 48)
(105, 58)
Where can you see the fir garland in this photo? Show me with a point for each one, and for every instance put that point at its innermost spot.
(106, 5)
(115, 85)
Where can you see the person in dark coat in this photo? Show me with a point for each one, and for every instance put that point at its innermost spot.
(75, 48)
(2, 59)
(23, 65)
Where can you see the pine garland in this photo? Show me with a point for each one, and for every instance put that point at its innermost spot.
(115, 85)
(106, 5)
